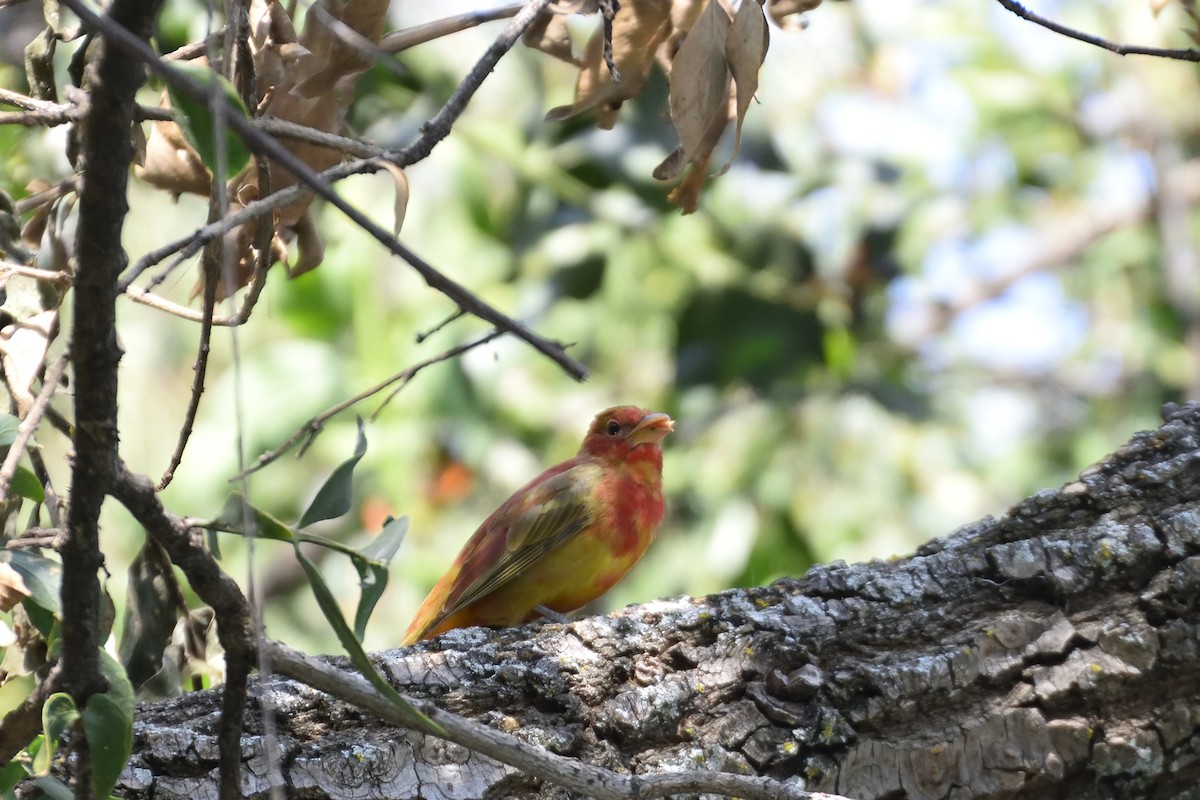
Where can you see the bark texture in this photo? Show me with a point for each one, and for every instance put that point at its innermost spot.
(1051, 652)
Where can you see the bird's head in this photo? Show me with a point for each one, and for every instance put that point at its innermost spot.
(617, 432)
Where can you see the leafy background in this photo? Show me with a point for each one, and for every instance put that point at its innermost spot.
(869, 332)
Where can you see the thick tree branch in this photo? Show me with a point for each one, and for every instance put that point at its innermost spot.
(1050, 652)
(106, 153)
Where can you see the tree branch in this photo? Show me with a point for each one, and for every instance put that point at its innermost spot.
(1021, 11)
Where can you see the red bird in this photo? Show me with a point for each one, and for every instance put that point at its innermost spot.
(564, 538)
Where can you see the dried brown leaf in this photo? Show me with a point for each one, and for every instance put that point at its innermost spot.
(171, 163)
(745, 51)
(700, 80)
(12, 587)
(549, 34)
(638, 28)
(401, 182)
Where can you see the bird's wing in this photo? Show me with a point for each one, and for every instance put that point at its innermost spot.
(531, 524)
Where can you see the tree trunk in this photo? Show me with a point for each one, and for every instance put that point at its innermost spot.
(1052, 652)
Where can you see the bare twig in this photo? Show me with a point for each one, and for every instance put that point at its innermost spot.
(569, 773)
(310, 429)
(48, 275)
(1021, 11)
(303, 133)
(29, 424)
(608, 11)
(396, 41)
(423, 335)
(439, 126)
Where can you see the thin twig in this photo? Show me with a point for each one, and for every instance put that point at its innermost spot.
(303, 133)
(1021, 11)
(48, 275)
(310, 429)
(423, 335)
(439, 126)
(29, 424)
(569, 773)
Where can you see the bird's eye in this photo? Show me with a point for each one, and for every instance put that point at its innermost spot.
(613, 427)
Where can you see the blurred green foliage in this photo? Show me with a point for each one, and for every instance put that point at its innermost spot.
(866, 334)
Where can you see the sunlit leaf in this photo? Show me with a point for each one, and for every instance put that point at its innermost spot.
(8, 429)
(58, 714)
(14, 690)
(373, 570)
(335, 497)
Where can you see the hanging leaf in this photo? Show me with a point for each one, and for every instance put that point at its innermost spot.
(745, 51)
(335, 497)
(196, 120)
(25, 484)
(700, 79)
(151, 613)
(8, 429)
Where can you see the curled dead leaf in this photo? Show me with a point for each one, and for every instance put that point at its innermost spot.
(549, 34)
(700, 80)
(637, 30)
(401, 185)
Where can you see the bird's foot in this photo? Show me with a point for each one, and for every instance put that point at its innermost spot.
(552, 615)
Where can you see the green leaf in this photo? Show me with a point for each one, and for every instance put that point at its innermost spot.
(43, 577)
(234, 519)
(54, 788)
(8, 429)
(25, 484)
(58, 714)
(372, 566)
(358, 656)
(13, 692)
(108, 726)
(10, 775)
(335, 497)
(196, 120)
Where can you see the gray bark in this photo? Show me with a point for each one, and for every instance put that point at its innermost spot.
(1051, 652)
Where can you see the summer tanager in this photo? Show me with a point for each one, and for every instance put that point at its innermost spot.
(564, 538)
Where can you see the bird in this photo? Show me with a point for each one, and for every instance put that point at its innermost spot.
(563, 539)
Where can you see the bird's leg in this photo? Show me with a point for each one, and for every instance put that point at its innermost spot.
(552, 615)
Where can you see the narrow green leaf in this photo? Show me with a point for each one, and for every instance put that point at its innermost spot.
(336, 496)
(195, 118)
(108, 726)
(233, 519)
(43, 577)
(372, 569)
(358, 656)
(25, 484)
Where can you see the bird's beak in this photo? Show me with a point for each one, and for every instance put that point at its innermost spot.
(651, 429)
